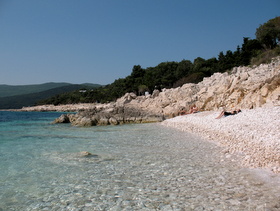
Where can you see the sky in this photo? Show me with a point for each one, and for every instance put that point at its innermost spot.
(99, 41)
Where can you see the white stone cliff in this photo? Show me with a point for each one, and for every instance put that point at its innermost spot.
(244, 87)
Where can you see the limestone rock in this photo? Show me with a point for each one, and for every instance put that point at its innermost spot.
(244, 87)
(113, 121)
(155, 93)
(64, 118)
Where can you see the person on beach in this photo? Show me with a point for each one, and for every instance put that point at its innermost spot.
(226, 113)
(183, 111)
(193, 109)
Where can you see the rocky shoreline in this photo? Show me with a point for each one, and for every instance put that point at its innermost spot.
(59, 108)
(253, 133)
(110, 116)
(243, 87)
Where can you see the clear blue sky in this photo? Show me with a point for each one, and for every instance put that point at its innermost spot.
(98, 41)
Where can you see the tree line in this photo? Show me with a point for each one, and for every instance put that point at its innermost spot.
(174, 74)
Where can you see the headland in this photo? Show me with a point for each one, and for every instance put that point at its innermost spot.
(253, 133)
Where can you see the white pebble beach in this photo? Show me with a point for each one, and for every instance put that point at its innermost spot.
(254, 134)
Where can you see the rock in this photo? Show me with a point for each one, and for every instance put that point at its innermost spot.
(103, 121)
(72, 117)
(155, 93)
(244, 88)
(128, 97)
(113, 121)
(82, 121)
(87, 122)
(64, 118)
(264, 90)
(85, 154)
(150, 119)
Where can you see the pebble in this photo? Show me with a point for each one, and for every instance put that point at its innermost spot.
(171, 170)
(254, 133)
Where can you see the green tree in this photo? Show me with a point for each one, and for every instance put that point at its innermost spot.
(269, 33)
(183, 69)
(198, 64)
(249, 49)
(137, 71)
(142, 89)
(150, 80)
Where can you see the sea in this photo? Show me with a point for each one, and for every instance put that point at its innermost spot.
(45, 166)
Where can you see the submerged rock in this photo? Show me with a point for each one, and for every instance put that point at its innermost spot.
(87, 154)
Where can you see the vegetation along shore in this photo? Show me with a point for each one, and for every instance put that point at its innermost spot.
(253, 133)
(247, 79)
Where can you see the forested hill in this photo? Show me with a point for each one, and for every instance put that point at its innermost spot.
(12, 90)
(14, 97)
(173, 74)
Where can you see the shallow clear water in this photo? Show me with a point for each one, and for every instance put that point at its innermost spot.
(132, 167)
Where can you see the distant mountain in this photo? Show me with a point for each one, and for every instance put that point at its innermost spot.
(15, 97)
(10, 90)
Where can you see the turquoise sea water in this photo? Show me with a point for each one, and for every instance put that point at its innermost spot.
(132, 167)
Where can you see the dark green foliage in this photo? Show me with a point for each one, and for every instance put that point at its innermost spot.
(174, 74)
(250, 49)
(18, 101)
(207, 67)
(8, 90)
(265, 56)
(241, 57)
(184, 68)
(269, 33)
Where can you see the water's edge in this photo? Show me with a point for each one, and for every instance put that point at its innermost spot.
(132, 167)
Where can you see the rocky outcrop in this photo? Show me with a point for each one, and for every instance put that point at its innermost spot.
(64, 118)
(60, 108)
(109, 116)
(243, 87)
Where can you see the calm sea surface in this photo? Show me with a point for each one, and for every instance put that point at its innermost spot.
(132, 167)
